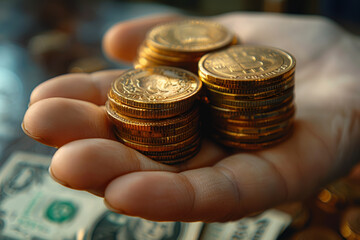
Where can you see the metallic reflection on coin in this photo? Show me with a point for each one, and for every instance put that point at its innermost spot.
(247, 63)
(350, 224)
(190, 36)
(182, 43)
(156, 87)
(249, 93)
(155, 111)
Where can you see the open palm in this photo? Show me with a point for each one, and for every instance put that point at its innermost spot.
(68, 112)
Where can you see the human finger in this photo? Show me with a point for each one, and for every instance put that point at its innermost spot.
(123, 39)
(105, 159)
(57, 121)
(91, 87)
(236, 186)
(90, 164)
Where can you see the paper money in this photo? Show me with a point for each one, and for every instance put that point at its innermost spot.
(266, 226)
(33, 206)
(112, 226)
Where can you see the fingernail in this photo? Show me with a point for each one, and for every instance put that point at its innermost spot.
(107, 204)
(28, 133)
(24, 129)
(39, 139)
(55, 179)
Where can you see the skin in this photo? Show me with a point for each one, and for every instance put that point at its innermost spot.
(215, 185)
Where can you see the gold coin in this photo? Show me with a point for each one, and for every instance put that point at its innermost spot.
(251, 92)
(238, 122)
(144, 61)
(193, 35)
(174, 156)
(350, 224)
(146, 113)
(159, 133)
(145, 50)
(156, 88)
(334, 197)
(238, 115)
(145, 58)
(256, 134)
(218, 100)
(236, 144)
(253, 109)
(239, 65)
(149, 125)
(166, 147)
(178, 160)
(178, 151)
(167, 139)
(265, 128)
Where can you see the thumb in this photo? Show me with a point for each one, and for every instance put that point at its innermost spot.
(123, 39)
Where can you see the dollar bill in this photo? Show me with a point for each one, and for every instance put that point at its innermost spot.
(33, 206)
(112, 226)
(266, 226)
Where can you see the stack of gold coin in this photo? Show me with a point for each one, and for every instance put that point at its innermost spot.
(182, 43)
(249, 90)
(154, 111)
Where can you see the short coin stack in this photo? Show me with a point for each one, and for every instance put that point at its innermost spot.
(154, 111)
(250, 94)
(182, 43)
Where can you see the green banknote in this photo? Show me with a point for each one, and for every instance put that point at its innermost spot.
(33, 206)
(114, 226)
(265, 226)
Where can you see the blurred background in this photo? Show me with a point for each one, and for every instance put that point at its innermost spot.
(40, 39)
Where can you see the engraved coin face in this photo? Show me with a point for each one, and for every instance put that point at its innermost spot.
(156, 86)
(247, 63)
(190, 36)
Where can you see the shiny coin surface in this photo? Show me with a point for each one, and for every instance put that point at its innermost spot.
(238, 115)
(166, 139)
(156, 88)
(250, 92)
(246, 65)
(158, 148)
(156, 126)
(350, 226)
(189, 36)
(239, 144)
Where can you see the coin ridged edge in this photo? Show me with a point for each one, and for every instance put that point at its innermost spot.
(150, 125)
(225, 41)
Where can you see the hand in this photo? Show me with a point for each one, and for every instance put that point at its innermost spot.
(68, 112)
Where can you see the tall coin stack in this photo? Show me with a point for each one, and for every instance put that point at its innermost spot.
(250, 94)
(155, 111)
(182, 43)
